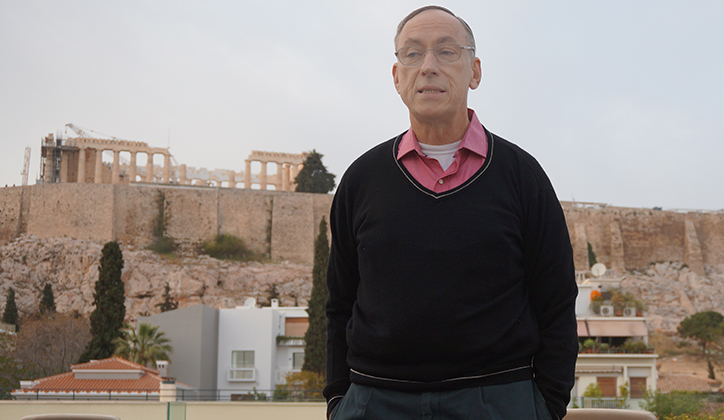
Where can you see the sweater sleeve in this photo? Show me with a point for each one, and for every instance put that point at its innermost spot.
(342, 282)
(550, 275)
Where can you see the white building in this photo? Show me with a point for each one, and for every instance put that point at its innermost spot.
(258, 347)
(234, 354)
(608, 364)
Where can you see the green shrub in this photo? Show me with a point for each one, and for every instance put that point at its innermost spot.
(593, 391)
(674, 403)
(163, 245)
(228, 247)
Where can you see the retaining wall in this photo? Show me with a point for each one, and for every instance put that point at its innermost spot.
(285, 224)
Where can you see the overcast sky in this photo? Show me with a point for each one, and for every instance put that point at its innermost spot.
(620, 101)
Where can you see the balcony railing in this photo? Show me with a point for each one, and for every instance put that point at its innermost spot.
(602, 402)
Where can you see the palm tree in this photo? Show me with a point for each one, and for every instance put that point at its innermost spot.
(143, 346)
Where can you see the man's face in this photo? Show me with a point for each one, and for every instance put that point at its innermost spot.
(434, 91)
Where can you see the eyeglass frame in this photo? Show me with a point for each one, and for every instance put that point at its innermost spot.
(424, 50)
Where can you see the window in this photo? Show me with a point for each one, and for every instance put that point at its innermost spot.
(607, 385)
(297, 361)
(295, 327)
(637, 387)
(242, 366)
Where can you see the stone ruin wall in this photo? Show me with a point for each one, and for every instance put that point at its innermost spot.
(281, 222)
(628, 239)
(624, 239)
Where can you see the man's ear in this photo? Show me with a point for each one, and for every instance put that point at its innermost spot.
(477, 73)
(395, 79)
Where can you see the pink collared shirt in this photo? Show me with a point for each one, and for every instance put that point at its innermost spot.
(468, 159)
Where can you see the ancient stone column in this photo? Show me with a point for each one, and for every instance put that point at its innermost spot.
(132, 169)
(247, 174)
(81, 165)
(99, 166)
(262, 176)
(149, 167)
(182, 174)
(166, 167)
(116, 172)
(285, 177)
(64, 167)
(232, 179)
(280, 174)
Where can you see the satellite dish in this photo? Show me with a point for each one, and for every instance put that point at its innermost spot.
(598, 269)
(250, 302)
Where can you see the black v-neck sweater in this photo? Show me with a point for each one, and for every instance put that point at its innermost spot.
(440, 291)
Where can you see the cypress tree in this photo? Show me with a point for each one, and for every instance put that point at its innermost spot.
(315, 350)
(591, 256)
(108, 299)
(10, 315)
(47, 302)
(313, 177)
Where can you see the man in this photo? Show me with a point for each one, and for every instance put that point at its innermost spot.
(451, 276)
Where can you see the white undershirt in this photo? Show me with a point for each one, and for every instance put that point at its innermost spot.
(444, 153)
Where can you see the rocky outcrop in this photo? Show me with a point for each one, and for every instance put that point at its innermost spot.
(673, 291)
(71, 266)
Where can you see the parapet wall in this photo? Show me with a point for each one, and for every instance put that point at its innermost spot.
(285, 223)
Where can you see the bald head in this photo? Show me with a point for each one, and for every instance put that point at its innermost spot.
(466, 27)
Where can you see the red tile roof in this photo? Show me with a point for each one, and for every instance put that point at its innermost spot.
(668, 383)
(148, 382)
(112, 363)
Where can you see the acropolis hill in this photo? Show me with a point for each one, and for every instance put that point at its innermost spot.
(53, 232)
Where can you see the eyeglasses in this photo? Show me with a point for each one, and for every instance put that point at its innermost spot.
(444, 53)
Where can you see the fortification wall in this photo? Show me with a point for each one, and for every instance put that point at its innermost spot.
(285, 224)
(247, 214)
(632, 239)
(281, 223)
(72, 210)
(10, 207)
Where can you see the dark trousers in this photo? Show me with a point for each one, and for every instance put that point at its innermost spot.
(514, 401)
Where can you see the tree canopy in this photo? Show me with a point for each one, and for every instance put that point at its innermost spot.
(314, 178)
(47, 301)
(315, 350)
(109, 301)
(143, 346)
(707, 328)
(10, 314)
(49, 344)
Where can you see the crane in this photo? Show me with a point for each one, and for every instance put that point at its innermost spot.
(85, 133)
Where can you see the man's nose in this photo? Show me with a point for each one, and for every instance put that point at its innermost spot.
(429, 63)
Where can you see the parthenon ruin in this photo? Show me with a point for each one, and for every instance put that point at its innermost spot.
(80, 159)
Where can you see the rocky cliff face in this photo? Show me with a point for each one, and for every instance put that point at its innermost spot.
(71, 266)
(671, 290)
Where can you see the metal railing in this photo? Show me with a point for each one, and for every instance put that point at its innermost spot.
(281, 394)
(600, 402)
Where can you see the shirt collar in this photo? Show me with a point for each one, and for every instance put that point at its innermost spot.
(474, 140)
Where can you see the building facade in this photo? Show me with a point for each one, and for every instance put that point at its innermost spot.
(234, 354)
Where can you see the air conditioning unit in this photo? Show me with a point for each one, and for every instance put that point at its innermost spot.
(629, 312)
(606, 310)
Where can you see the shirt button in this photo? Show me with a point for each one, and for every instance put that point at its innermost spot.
(440, 181)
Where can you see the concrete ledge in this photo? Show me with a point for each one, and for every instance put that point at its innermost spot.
(153, 410)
